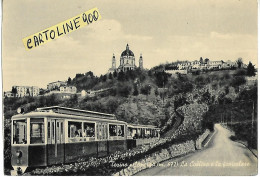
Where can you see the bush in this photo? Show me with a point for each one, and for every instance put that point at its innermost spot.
(237, 81)
(240, 72)
(124, 89)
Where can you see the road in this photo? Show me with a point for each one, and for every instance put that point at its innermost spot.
(222, 156)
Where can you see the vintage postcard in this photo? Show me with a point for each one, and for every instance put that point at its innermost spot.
(130, 88)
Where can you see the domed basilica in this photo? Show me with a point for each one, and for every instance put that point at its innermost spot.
(127, 61)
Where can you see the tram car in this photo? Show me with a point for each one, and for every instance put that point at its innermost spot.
(59, 135)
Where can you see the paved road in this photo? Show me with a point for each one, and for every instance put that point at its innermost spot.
(221, 157)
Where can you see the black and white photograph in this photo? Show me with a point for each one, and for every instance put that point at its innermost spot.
(130, 88)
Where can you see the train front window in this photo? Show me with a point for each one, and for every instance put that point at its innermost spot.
(20, 132)
(37, 131)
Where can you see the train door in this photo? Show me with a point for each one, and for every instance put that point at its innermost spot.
(102, 145)
(55, 141)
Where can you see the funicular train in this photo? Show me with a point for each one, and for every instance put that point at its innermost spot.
(56, 135)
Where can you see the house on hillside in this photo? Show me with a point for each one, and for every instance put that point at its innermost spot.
(68, 89)
(8, 94)
(22, 91)
(56, 85)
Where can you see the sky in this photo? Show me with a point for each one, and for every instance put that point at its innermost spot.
(163, 31)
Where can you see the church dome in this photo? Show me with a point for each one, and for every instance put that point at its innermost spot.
(127, 52)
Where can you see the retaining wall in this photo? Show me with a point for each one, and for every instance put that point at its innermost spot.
(155, 158)
(164, 154)
(201, 138)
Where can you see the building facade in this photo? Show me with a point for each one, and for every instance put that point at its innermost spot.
(8, 94)
(22, 91)
(206, 64)
(56, 85)
(68, 89)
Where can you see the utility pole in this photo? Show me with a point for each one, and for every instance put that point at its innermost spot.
(252, 129)
(163, 92)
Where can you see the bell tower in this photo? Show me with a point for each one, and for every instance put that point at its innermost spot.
(113, 62)
(141, 62)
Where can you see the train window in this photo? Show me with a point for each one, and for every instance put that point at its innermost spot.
(49, 130)
(57, 131)
(89, 130)
(129, 131)
(138, 133)
(61, 131)
(112, 130)
(75, 129)
(53, 131)
(19, 132)
(121, 130)
(37, 131)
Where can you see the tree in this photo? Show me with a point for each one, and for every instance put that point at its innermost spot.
(28, 92)
(161, 78)
(104, 78)
(239, 62)
(14, 91)
(121, 76)
(250, 69)
(124, 89)
(237, 81)
(135, 93)
(201, 60)
(69, 81)
(79, 75)
(150, 73)
(240, 72)
(227, 90)
(110, 76)
(156, 92)
(114, 74)
(90, 74)
(206, 97)
(206, 60)
(101, 78)
(146, 90)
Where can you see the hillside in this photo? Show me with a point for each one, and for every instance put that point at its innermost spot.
(154, 97)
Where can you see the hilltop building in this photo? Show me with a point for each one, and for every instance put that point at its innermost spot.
(8, 94)
(56, 85)
(127, 61)
(22, 91)
(185, 66)
(68, 89)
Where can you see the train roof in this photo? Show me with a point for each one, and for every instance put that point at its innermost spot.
(142, 126)
(57, 111)
(70, 113)
(77, 112)
(36, 114)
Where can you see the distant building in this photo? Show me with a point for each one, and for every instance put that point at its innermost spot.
(23, 91)
(127, 61)
(68, 89)
(184, 67)
(83, 93)
(92, 93)
(8, 94)
(215, 64)
(56, 85)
